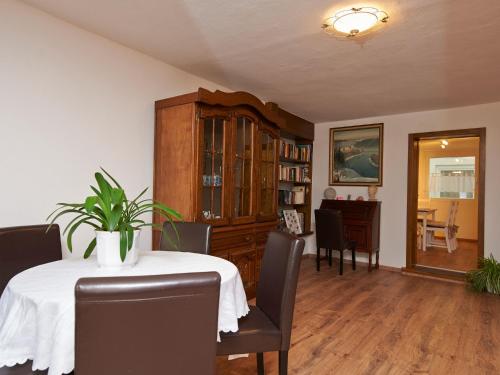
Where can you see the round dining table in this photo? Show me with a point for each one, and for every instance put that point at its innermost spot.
(37, 308)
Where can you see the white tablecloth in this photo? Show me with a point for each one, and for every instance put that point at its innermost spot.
(37, 309)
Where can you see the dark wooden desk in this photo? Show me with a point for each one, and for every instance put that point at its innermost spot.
(361, 224)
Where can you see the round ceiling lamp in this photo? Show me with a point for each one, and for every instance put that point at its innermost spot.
(354, 21)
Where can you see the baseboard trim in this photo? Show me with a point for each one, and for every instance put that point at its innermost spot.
(358, 263)
(428, 274)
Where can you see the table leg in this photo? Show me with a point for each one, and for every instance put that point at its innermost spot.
(370, 261)
(376, 259)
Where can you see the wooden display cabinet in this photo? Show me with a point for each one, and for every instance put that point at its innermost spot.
(216, 161)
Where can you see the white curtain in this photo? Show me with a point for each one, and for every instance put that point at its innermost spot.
(458, 184)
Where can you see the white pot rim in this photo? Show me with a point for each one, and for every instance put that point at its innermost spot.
(115, 231)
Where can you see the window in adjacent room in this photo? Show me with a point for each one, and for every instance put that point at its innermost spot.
(452, 177)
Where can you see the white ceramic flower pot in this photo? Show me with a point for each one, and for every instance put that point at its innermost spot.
(108, 250)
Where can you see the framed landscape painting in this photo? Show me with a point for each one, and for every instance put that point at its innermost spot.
(356, 155)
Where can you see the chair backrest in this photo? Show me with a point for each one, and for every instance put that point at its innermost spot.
(193, 237)
(25, 247)
(329, 229)
(147, 324)
(278, 281)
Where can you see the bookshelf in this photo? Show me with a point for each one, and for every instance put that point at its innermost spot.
(295, 178)
(298, 132)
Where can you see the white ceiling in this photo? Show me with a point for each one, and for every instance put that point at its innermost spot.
(431, 54)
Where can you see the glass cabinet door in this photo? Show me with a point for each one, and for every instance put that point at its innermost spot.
(212, 168)
(268, 151)
(243, 160)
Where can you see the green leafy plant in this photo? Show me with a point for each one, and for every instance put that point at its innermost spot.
(110, 210)
(487, 277)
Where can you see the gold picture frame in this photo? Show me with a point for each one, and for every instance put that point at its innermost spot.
(356, 155)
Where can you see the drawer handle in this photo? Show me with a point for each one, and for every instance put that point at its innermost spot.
(248, 238)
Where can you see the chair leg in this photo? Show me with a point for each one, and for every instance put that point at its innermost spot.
(447, 239)
(353, 260)
(330, 257)
(260, 363)
(317, 258)
(283, 362)
(341, 263)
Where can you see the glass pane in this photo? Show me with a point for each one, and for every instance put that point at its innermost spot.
(243, 167)
(206, 199)
(267, 174)
(247, 174)
(270, 175)
(248, 140)
(238, 169)
(217, 203)
(240, 139)
(208, 129)
(217, 173)
(207, 167)
(237, 195)
(270, 149)
(245, 209)
(213, 143)
(219, 135)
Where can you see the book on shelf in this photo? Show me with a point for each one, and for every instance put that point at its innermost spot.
(294, 173)
(289, 197)
(295, 152)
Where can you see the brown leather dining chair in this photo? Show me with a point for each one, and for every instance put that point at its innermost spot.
(25, 247)
(138, 325)
(191, 237)
(268, 325)
(330, 236)
(21, 248)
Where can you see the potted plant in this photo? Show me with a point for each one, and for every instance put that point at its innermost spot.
(487, 277)
(116, 220)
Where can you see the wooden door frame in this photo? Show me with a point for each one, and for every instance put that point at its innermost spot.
(412, 195)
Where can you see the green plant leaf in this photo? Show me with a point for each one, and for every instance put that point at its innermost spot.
(117, 196)
(123, 244)
(72, 230)
(115, 216)
(111, 178)
(487, 277)
(130, 237)
(90, 248)
(90, 203)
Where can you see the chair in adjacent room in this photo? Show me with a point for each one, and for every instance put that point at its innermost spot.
(191, 237)
(330, 236)
(448, 227)
(268, 325)
(25, 247)
(136, 325)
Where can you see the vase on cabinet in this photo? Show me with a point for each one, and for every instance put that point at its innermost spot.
(372, 192)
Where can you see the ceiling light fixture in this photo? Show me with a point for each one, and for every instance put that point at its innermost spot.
(354, 21)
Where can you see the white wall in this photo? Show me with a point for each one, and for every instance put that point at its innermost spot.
(393, 193)
(71, 101)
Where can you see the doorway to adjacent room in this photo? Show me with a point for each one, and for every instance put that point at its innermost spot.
(445, 232)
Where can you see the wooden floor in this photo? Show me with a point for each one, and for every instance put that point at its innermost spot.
(464, 258)
(385, 323)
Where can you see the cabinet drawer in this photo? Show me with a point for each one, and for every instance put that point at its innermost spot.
(229, 240)
(357, 233)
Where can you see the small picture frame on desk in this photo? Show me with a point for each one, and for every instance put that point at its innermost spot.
(292, 221)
